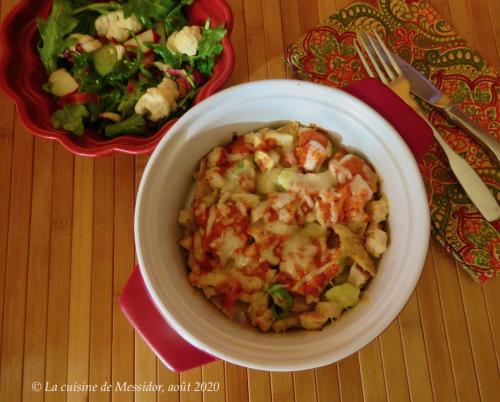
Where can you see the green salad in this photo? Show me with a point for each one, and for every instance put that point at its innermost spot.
(124, 67)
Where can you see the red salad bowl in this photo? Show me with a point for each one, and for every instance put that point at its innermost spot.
(22, 76)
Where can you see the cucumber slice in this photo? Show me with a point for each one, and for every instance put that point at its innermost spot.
(105, 59)
(62, 83)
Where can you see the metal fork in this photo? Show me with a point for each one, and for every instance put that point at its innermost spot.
(391, 75)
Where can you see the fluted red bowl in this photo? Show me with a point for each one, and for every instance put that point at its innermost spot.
(22, 76)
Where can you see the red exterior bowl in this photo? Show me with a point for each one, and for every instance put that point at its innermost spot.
(22, 76)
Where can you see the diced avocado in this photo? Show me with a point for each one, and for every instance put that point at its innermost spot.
(345, 295)
(292, 180)
(286, 178)
(105, 59)
(266, 181)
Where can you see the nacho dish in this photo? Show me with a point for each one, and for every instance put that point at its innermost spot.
(285, 228)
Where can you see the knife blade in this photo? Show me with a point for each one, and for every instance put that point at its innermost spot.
(425, 90)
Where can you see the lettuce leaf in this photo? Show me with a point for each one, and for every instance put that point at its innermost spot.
(147, 11)
(209, 48)
(169, 58)
(135, 124)
(176, 18)
(53, 30)
(70, 118)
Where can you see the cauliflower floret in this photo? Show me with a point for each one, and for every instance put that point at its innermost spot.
(114, 25)
(376, 240)
(185, 41)
(158, 101)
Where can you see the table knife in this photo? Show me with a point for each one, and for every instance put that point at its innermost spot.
(425, 90)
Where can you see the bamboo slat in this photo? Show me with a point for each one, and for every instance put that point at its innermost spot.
(14, 303)
(67, 249)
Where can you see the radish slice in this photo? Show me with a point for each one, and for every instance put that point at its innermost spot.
(184, 86)
(85, 43)
(79, 98)
(147, 36)
(89, 47)
(62, 83)
(175, 72)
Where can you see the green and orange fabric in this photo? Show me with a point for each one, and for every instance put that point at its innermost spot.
(418, 34)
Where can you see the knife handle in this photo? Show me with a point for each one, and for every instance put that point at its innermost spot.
(487, 140)
(475, 188)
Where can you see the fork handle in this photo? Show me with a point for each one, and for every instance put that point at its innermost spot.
(475, 188)
(485, 139)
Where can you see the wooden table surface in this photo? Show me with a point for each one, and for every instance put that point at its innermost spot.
(66, 250)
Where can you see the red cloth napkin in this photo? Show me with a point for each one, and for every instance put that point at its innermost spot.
(175, 352)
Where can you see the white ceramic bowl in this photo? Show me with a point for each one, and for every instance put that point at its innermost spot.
(168, 178)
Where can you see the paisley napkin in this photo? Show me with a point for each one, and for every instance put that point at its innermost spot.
(418, 34)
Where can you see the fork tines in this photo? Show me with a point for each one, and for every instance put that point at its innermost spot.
(380, 56)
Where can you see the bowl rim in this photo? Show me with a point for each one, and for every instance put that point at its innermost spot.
(129, 144)
(423, 228)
